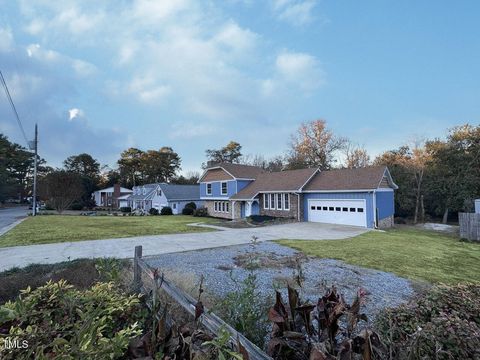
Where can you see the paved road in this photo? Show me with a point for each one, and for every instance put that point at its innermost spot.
(9, 215)
(161, 244)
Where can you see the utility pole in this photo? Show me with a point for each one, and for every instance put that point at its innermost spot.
(35, 147)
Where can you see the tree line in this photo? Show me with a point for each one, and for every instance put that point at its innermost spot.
(436, 177)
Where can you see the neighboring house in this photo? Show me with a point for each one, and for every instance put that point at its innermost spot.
(477, 206)
(109, 197)
(360, 197)
(159, 195)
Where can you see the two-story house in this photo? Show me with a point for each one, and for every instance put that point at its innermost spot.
(359, 197)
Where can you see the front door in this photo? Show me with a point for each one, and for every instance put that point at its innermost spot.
(248, 209)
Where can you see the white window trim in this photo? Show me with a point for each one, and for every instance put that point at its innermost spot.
(279, 199)
(272, 199)
(226, 188)
(266, 202)
(206, 188)
(284, 202)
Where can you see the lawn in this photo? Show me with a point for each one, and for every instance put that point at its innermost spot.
(408, 252)
(62, 228)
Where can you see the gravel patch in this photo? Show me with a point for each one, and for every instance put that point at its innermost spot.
(218, 267)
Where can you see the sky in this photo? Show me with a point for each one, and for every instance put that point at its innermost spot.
(99, 76)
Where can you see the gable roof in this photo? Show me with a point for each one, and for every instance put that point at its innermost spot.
(180, 192)
(237, 171)
(289, 180)
(367, 178)
(112, 189)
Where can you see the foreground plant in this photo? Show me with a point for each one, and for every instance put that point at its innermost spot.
(326, 330)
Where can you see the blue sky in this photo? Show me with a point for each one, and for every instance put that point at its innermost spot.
(101, 76)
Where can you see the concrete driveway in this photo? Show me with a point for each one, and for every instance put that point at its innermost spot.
(10, 216)
(21, 256)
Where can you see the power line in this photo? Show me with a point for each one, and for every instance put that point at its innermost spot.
(14, 108)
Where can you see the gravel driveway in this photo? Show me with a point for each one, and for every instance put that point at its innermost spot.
(218, 265)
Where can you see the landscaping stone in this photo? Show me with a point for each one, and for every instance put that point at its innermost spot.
(277, 266)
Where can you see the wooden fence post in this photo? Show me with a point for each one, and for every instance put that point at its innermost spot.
(137, 271)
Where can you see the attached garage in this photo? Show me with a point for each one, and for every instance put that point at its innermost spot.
(343, 212)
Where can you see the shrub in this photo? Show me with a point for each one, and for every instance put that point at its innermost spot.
(153, 211)
(188, 211)
(76, 206)
(126, 209)
(166, 210)
(191, 205)
(201, 212)
(444, 324)
(61, 322)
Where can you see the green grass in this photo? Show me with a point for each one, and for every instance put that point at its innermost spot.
(411, 253)
(62, 228)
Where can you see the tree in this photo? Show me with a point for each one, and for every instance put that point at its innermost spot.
(190, 178)
(130, 166)
(314, 145)
(231, 153)
(161, 165)
(83, 164)
(61, 188)
(276, 163)
(356, 156)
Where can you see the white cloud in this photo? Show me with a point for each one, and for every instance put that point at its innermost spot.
(236, 38)
(147, 91)
(190, 130)
(295, 12)
(301, 69)
(6, 40)
(74, 113)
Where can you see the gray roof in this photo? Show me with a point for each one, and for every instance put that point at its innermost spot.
(181, 192)
(171, 192)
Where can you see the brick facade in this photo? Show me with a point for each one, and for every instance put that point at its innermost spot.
(292, 213)
(386, 223)
(220, 214)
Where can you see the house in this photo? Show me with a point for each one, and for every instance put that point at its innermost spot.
(477, 206)
(159, 195)
(360, 197)
(109, 197)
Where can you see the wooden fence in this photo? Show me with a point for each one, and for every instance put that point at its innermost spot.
(469, 226)
(208, 319)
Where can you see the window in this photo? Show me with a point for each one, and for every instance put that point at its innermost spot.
(286, 202)
(215, 206)
(159, 192)
(352, 209)
(174, 205)
(265, 201)
(360, 209)
(330, 208)
(223, 206)
(272, 202)
(209, 189)
(325, 208)
(224, 188)
(338, 209)
(319, 208)
(344, 209)
(226, 206)
(279, 201)
(312, 207)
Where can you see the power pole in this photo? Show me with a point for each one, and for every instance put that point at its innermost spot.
(35, 146)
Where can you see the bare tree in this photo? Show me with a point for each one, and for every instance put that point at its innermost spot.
(314, 145)
(61, 188)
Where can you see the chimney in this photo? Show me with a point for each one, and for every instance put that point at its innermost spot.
(116, 191)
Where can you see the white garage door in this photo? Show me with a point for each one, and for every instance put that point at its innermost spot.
(345, 212)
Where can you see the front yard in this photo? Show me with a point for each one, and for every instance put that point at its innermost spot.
(63, 228)
(407, 252)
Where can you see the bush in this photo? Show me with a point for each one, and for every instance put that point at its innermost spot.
(153, 211)
(188, 211)
(76, 206)
(444, 324)
(166, 210)
(191, 205)
(126, 209)
(61, 322)
(201, 212)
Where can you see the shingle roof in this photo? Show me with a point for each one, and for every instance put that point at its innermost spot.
(239, 171)
(347, 179)
(181, 192)
(289, 180)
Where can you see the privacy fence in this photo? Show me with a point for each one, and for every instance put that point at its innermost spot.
(158, 282)
(469, 226)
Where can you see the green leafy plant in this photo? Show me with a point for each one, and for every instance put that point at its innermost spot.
(222, 347)
(109, 269)
(166, 210)
(201, 212)
(59, 321)
(443, 324)
(153, 211)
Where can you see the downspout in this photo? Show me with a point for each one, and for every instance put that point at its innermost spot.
(298, 206)
(375, 209)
